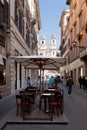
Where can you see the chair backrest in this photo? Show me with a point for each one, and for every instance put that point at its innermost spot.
(19, 99)
(21, 92)
(56, 97)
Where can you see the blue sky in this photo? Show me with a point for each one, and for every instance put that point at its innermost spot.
(50, 13)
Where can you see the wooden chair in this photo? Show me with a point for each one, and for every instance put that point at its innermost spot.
(23, 104)
(56, 102)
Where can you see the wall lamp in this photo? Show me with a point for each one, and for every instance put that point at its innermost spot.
(82, 47)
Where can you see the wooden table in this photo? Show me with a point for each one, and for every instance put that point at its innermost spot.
(46, 96)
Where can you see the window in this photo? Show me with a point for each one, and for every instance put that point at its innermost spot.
(75, 11)
(74, 30)
(86, 39)
(1, 13)
(27, 37)
(71, 55)
(74, 52)
(5, 13)
(23, 27)
(71, 35)
(42, 42)
(15, 75)
(53, 41)
(67, 19)
(22, 2)
(79, 48)
(16, 12)
(80, 22)
(19, 19)
(2, 40)
(80, 2)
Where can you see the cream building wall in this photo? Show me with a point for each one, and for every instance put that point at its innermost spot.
(18, 44)
(15, 44)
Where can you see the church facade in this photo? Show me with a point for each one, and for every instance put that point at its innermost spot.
(47, 49)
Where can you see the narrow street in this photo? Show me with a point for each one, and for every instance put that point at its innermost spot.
(75, 110)
(43, 43)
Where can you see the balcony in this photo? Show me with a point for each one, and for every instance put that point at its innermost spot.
(83, 54)
(68, 2)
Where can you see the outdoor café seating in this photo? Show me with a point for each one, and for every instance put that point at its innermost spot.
(31, 92)
(52, 99)
(24, 100)
(23, 105)
(49, 102)
(56, 103)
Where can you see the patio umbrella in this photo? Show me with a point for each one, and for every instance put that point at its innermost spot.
(43, 62)
(40, 62)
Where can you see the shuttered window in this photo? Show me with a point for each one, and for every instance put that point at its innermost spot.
(5, 13)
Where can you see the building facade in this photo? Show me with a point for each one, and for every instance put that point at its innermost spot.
(65, 40)
(19, 29)
(77, 56)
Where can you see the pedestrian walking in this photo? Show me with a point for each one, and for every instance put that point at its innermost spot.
(28, 82)
(84, 82)
(51, 81)
(56, 82)
(70, 84)
(80, 81)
